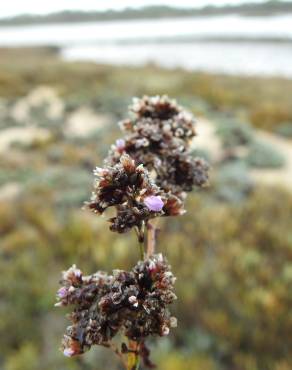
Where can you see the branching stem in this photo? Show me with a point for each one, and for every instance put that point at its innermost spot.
(133, 355)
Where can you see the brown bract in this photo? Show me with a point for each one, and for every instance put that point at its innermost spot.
(134, 303)
(124, 186)
(157, 136)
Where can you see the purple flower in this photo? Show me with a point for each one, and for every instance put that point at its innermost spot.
(62, 292)
(152, 266)
(77, 273)
(120, 144)
(68, 352)
(154, 203)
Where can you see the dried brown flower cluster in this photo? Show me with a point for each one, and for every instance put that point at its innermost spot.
(146, 175)
(134, 303)
(158, 138)
(134, 194)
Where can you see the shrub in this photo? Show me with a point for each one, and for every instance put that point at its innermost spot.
(284, 129)
(234, 279)
(262, 155)
(233, 134)
(233, 183)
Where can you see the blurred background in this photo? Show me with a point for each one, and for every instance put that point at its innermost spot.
(68, 71)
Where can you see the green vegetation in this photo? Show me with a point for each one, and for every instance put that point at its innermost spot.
(153, 12)
(262, 155)
(264, 102)
(235, 281)
(284, 129)
(232, 249)
(233, 134)
(241, 148)
(233, 182)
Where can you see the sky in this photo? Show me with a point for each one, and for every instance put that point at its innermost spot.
(16, 7)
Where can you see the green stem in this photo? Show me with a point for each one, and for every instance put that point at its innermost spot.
(133, 356)
(137, 364)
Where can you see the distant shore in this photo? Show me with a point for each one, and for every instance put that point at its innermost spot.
(152, 12)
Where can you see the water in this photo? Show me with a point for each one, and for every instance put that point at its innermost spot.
(228, 44)
(247, 59)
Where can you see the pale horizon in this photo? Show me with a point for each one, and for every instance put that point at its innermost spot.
(34, 7)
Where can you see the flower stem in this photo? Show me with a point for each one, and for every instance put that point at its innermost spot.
(151, 238)
(137, 364)
(133, 356)
(140, 232)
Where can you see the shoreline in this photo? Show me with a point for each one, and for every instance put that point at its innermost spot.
(149, 13)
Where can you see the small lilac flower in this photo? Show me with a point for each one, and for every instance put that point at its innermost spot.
(62, 292)
(154, 203)
(68, 352)
(120, 144)
(72, 274)
(77, 273)
(152, 266)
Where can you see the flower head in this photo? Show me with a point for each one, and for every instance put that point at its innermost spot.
(120, 144)
(62, 292)
(158, 135)
(154, 203)
(134, 303)
(68, 352)
(126, 187)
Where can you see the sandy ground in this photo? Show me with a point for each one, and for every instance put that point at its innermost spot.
(84, 121)
(42, 96)
(208, 140)
(9, 191)
(80, 123)
(24, 135)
